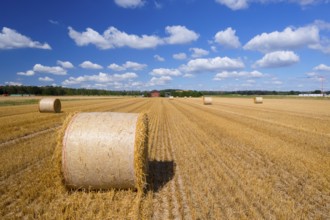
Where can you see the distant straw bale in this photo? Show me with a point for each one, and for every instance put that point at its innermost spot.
(207, 100)
(50, 105)
(258, 100)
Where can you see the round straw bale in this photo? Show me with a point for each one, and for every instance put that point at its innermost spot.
(102, 150)
(207, 100)
(50, 105)
(258, 100)
(171, 97)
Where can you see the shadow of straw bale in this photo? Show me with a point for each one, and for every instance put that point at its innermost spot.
(160, 173)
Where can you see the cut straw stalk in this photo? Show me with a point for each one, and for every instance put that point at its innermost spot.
(102, 150)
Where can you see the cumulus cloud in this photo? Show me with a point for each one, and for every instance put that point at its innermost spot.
(322, 67)
(236, 74)
(287, 39)
(130, 3)
(100, 78)
(277, 59)
(158, 81)
(65, 64)
(127, 65)
(243, 4)
(165, 72)
(46, 79)
(227, 38)
(159, 58)
(56, 70)
(27, 73)
(11, 39)
(234, 4)
(198, 52)
(180, 35)
(114, 38)
(188, 75)
(180, 56)
(89, 65)
(212, 65)
(13, 83)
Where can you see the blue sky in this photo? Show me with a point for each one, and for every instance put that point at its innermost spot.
(182, 44)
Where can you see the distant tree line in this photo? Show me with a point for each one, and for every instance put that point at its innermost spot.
(62, 91)
(261, 92)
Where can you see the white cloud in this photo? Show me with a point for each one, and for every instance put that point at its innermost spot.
(27, 73)
(11, 39)
(65, 64)
(277, 59)
(13, 83)
(116, 67)
(289, 38)
(243, 4)
(159, 58)
(180, 35)
(46, 79)
(89, 65)
(234, 4)
(100, 78)
(158, 81)
(89, 37)
(198, 52)
(53, 22)
(134, 66)
(165, 72)
(128, 65)
(56, 70)
(236, 74)
(322, 67)
(188, 75)
(227, 38)
(180, 56)
(130, 3)
(323, 45)
(114, 38)
(211, 65)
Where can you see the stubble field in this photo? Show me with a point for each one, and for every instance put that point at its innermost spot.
(230, 160)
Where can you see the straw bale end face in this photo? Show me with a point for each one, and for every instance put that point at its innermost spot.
(102, 150)
(52, 105)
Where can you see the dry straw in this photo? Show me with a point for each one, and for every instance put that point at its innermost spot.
(50, 105)
(103, 150)
(171, 97)
(207, 100)
(258, 100)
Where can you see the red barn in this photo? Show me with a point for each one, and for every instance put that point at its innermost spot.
(155, 93)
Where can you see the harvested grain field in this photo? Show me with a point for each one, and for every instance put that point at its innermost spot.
(229, 160)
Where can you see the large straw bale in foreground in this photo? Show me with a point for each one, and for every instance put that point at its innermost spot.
(50, 105)
(103, 150)
(207, 100)
(258, 100)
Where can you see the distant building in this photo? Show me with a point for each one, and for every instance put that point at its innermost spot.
(155, 93)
